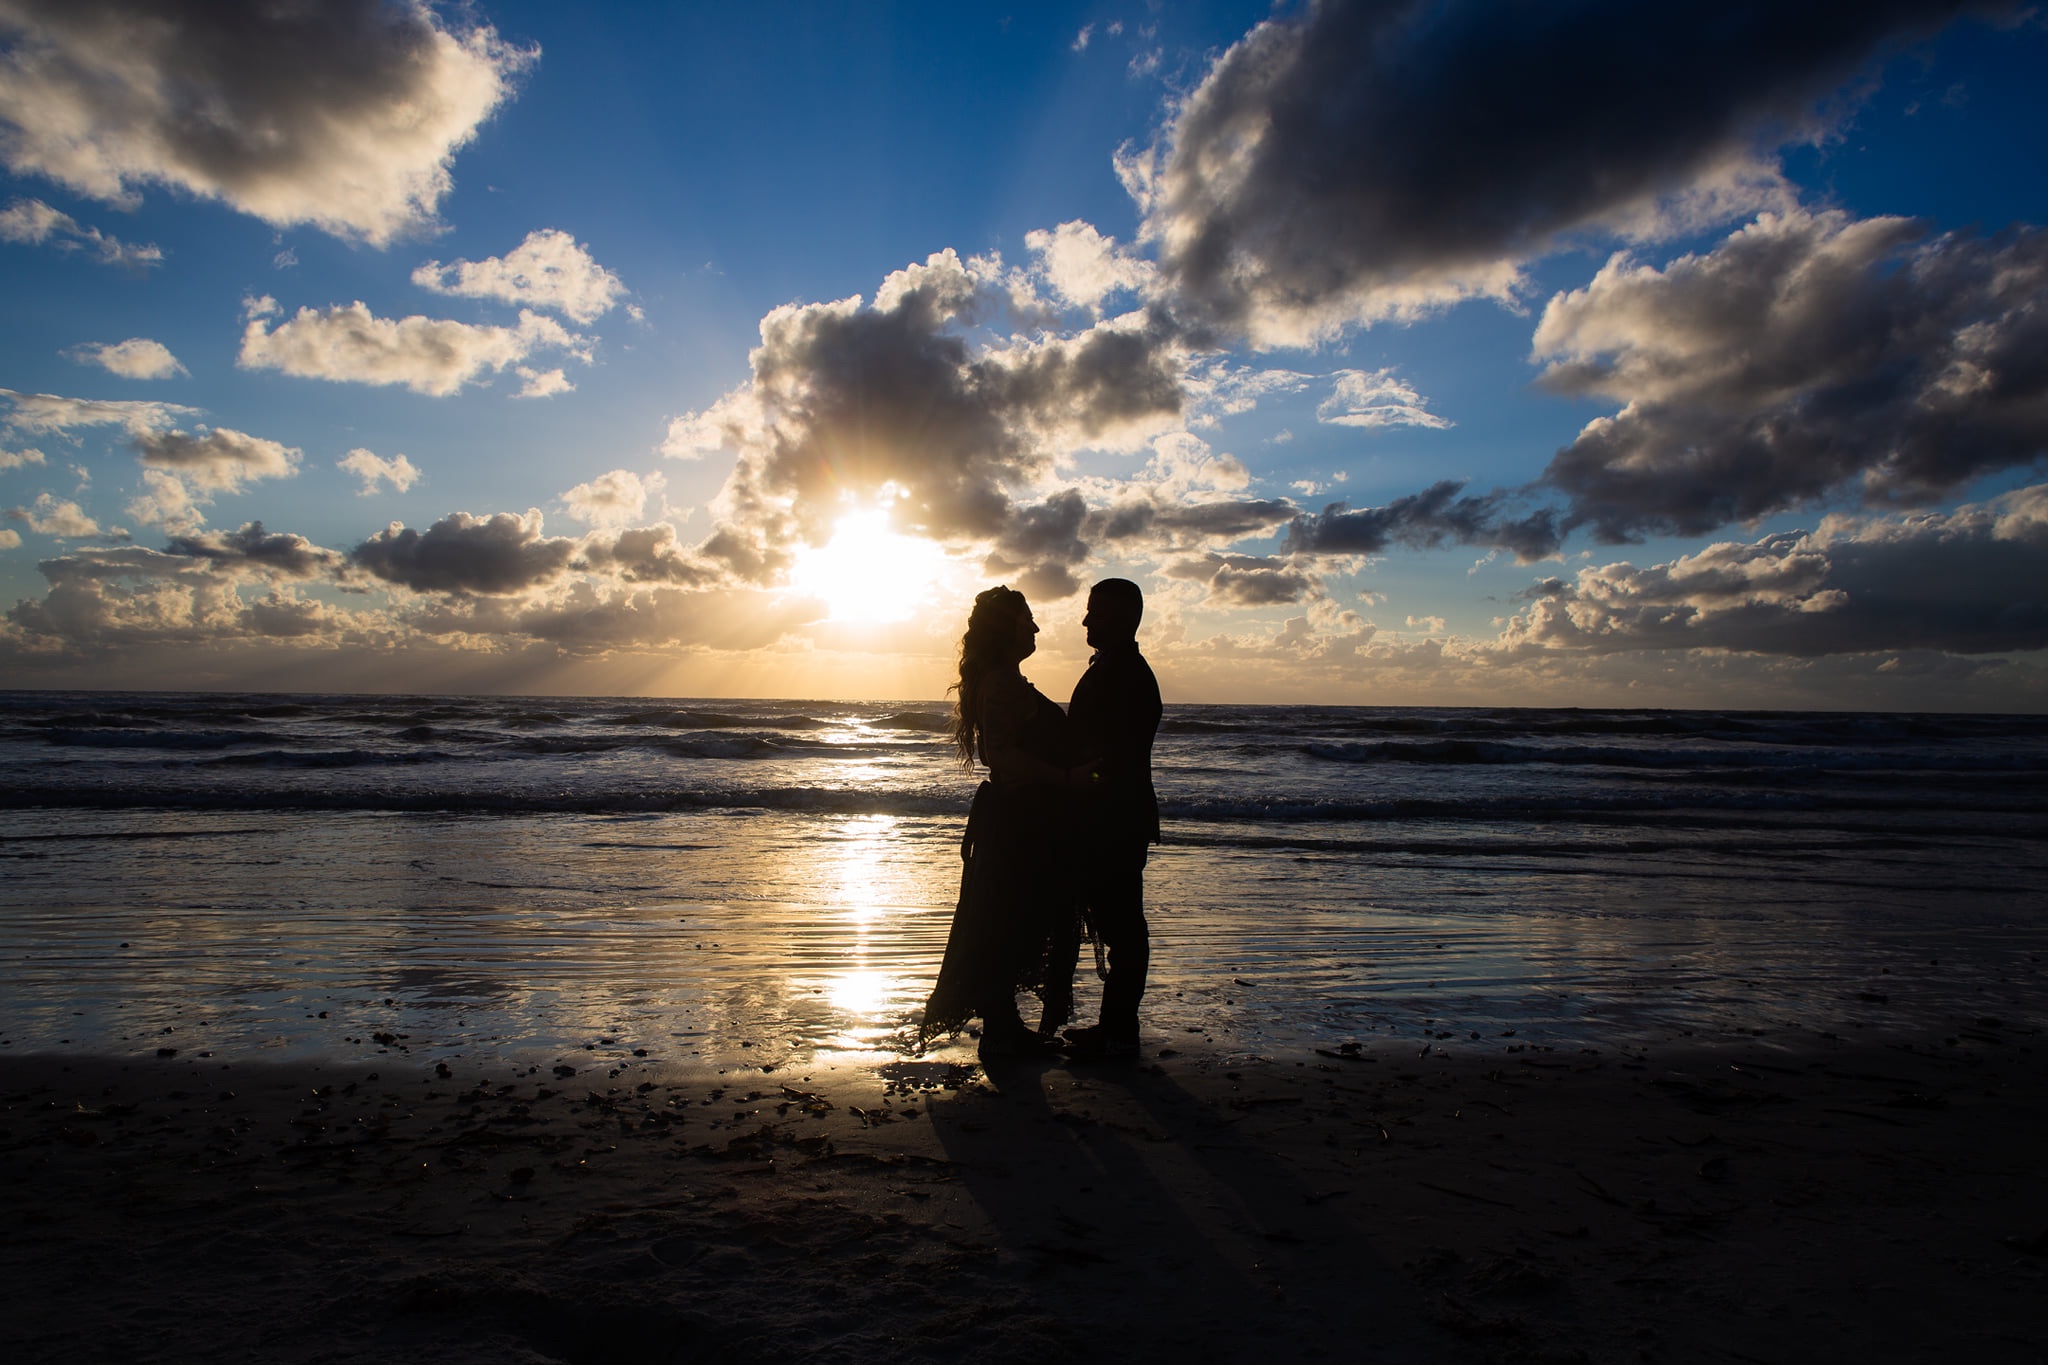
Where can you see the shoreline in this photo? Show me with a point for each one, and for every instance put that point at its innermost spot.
(1879, 1201)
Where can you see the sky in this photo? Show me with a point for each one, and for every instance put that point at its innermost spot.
(1576, 354)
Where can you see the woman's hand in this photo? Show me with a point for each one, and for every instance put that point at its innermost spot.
(1084, 775)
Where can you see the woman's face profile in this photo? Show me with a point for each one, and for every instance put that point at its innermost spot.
(1027, 634)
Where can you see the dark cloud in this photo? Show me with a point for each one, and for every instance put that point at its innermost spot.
(494, 555)
(344, 114)
(1043, 539)
(1364, 160)
(848, 399)
(1806, 355)
(643, 554)
(219, 460)
(1180, 524)
(1440, 515)
(1247, 580)
(1973, 581)
(252, 548)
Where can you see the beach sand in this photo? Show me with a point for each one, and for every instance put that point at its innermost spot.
(1870, 1201)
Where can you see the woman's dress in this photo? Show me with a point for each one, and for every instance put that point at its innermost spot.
(1017, 911)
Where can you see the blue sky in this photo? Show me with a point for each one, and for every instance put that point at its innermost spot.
(1405, 353)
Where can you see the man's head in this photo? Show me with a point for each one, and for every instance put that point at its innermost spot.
(1115, 607)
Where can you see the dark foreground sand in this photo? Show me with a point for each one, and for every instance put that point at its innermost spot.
(1873, 1203)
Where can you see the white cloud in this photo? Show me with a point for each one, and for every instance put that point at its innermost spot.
(542, 383)
(32, 222)
(547, 270)
(168, 502)
(135, 358)
(52, 516)
(1374, 399)
(1083, 267)
(1081, 39)
(10, 540)
(15, 459)
(618, 498)
(434, 356)
(343, 115)
(182, 472)
(50, 412)
(374, 469)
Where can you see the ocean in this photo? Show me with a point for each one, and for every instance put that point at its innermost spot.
(766, 884)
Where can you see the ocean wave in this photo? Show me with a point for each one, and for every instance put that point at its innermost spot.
(333, 758)
(1752, 806)
(672, 719)
(158, 739)
(930, 722)
(1776, 761)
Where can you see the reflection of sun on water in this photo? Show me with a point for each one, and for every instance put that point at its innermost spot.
(865, 994)
(868, 572)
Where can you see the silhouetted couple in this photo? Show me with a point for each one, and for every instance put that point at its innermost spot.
(1057, 837)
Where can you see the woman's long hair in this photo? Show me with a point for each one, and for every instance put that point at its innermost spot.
(990, 642)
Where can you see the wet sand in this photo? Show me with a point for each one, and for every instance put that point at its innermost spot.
(1882, 1200)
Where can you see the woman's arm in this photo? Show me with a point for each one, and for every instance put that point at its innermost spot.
(1006, 707)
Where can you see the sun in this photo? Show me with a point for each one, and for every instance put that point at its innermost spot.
(868, 572)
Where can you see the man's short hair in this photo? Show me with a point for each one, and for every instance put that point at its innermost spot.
(1121, 596)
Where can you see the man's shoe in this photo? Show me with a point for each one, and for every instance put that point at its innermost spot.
(1098, 1044)
(1019, 1044)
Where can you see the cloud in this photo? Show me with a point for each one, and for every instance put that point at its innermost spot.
(51, 516)
(251, 549)
(849, 401)
(618, 498)
(219, 460)
(587, 618)
(1440, 515)
(1970, 582)
(32, 222)
(50, 412)
(1083, 267)
(167, 501)
(374, 469)
(434, 356)
(500, 554)
(344, 115)
(122, 598)
(1182, 500)
(1358, 162)
(643, 554)
(16, 459)
(10, 539)
(1807, 355)
(1247, 580)
(135, 358)
(1373, 399)
(547, 270)
(183, 472)
(542, 383)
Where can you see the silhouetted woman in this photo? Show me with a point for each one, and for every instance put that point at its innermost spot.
(1016, 903)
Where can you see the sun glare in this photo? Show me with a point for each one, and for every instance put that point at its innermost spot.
(868, 572)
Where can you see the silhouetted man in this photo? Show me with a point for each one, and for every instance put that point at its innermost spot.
(1114, 714)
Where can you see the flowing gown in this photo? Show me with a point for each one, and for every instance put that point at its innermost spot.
(1017, 909)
